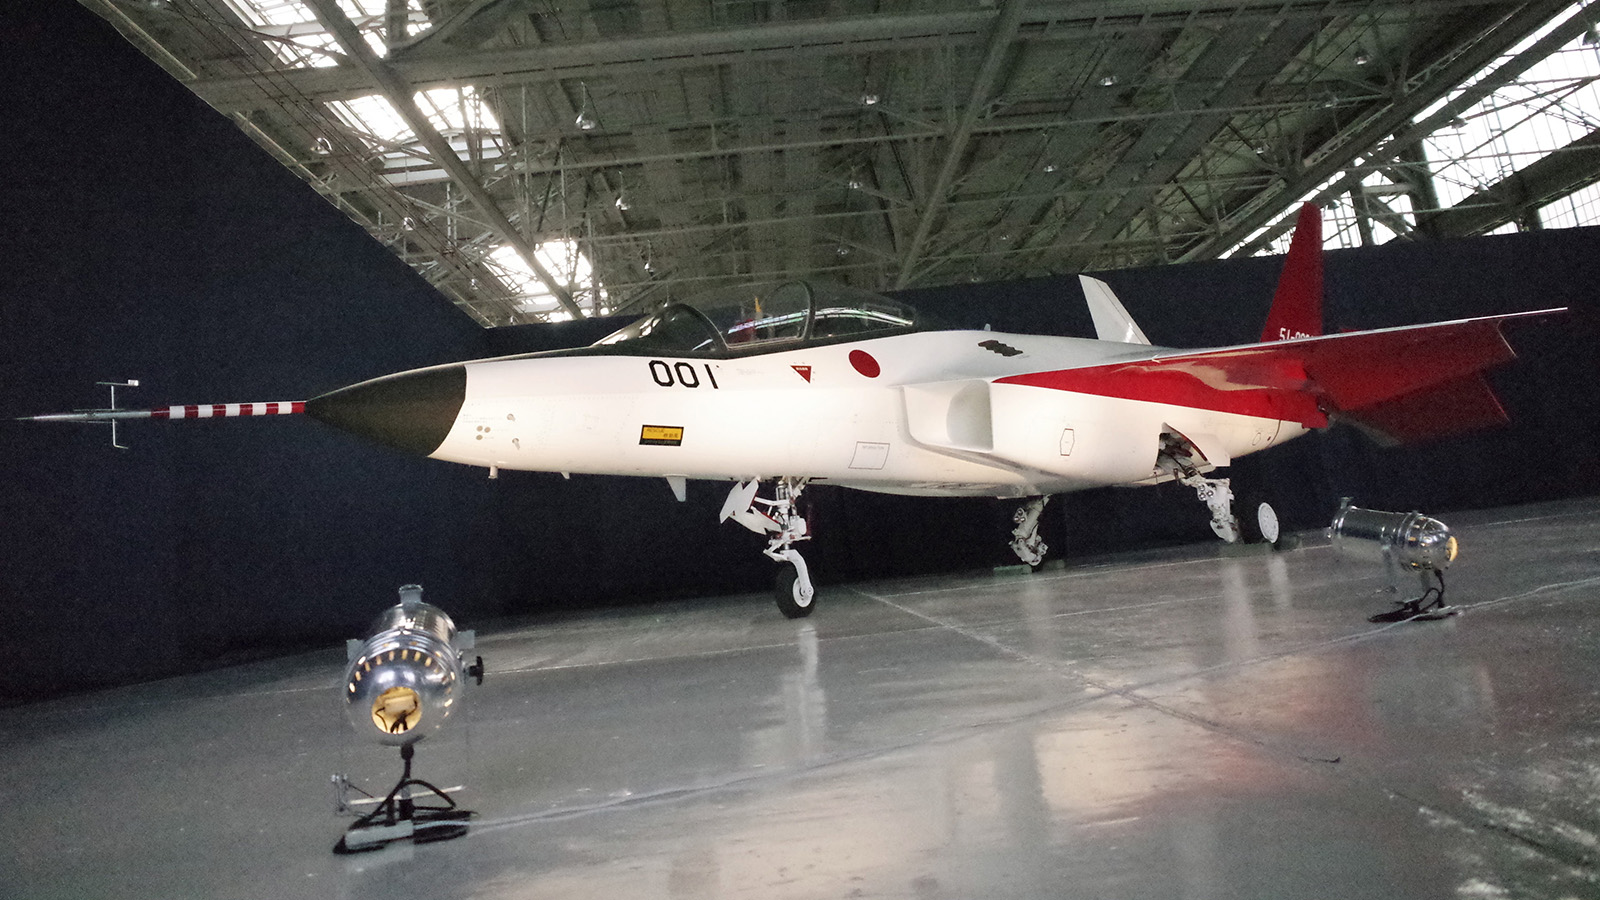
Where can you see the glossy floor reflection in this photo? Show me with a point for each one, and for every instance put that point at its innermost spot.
(1183, 724)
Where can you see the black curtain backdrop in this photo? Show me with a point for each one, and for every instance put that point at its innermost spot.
(154, 241)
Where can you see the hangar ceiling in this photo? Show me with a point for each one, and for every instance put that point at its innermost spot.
(539, 159)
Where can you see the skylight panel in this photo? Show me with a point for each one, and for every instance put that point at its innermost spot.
(451, 111)
(456, 110)
(1577, 209)
(1551, 104)
(561, 258)
(294, 34)
(374, 117)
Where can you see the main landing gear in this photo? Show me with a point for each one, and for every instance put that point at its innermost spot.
(1182, 460)
(1258, 522)
(1025, 540)
(795, 594)
(1217, 495)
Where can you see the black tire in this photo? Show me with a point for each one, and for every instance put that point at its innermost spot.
(1258, 522)
(787, 593)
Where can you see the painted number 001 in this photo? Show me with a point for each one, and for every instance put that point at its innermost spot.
(670, 374)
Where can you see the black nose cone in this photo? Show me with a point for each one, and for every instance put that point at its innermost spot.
(411, 411)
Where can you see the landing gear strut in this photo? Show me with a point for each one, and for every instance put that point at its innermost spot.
(1025, 540)
(795, 595)
(1217, 494)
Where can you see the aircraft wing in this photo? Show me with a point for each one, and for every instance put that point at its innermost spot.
(1402, 385)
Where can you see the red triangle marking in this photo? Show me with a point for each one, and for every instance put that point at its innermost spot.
(804, 371)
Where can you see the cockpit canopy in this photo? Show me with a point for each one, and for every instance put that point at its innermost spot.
(763, 318)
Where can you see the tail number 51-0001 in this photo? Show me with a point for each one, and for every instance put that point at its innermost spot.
(681, 374)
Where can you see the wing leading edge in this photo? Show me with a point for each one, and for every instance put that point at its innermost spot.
(1401, 385)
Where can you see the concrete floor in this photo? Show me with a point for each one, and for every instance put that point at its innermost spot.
(1189, 723)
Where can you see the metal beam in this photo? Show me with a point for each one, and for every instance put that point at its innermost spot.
(1394, 121)
(340, 164)
(1164, 149)
(711, 147)
(475, 21)
(400, 96)
(1001, 34)
(1535, 54)
(854, 35)
(1573, 167)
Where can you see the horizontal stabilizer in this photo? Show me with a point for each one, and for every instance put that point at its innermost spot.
(1404, 384)
(1466, 404)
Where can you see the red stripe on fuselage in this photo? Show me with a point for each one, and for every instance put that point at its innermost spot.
(1179, 387)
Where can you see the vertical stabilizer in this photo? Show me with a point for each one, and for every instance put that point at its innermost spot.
(1297, 305)
(1111, 320)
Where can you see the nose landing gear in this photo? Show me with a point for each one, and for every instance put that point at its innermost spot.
(794, 592)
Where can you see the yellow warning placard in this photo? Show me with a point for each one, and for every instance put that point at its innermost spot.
(661, 435)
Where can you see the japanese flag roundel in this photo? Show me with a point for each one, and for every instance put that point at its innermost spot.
(864, 363)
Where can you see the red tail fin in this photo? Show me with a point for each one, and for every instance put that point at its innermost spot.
(1297, 305)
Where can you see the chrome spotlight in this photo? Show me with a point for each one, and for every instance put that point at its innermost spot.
(1404, 540)
(401, 682)
(400, 686)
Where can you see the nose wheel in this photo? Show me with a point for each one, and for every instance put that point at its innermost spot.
(795, 594)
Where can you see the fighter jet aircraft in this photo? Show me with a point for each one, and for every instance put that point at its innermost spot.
(804, 383)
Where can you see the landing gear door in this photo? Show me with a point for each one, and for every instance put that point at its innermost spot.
(1192, 454)
(1214, 452)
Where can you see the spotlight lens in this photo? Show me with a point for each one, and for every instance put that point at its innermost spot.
(396, 710)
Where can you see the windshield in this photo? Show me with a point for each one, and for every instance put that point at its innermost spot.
(675, 328)
(766, 317)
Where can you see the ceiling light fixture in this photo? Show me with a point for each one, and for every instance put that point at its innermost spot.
(585, 120)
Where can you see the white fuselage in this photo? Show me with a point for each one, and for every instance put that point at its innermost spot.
(916, 413)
